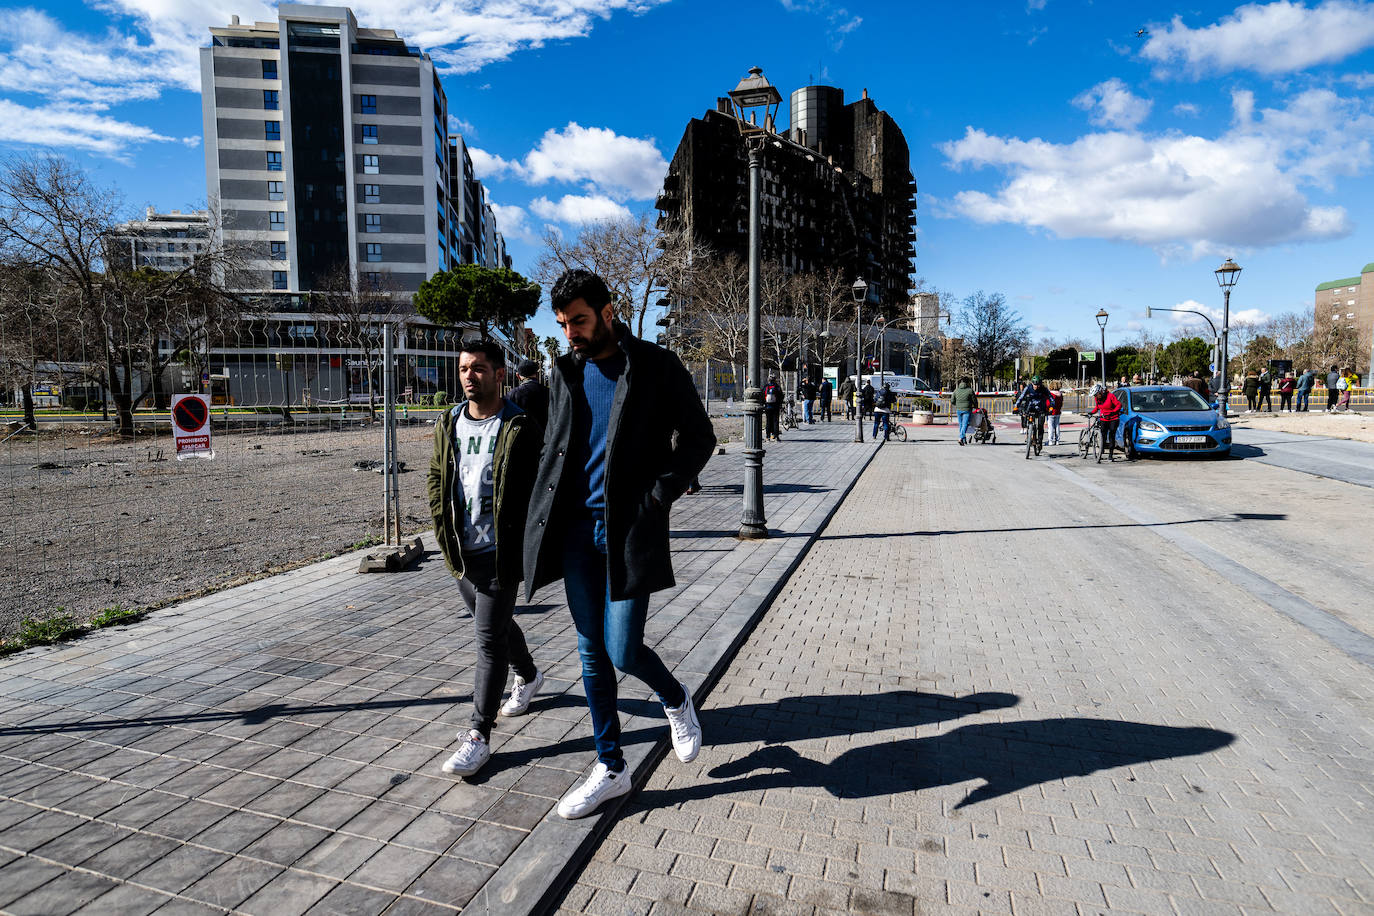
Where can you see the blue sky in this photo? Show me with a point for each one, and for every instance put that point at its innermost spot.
(1062, 159)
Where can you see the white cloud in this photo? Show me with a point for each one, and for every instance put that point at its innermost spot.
(63, 127)
(574, 208)
(512, 222)
(1272, 38)
(614, 166)
(457, 125)
(1112, 104)
(1238, 316)
(1187, 109)
(1178, 193)
(1359, 80)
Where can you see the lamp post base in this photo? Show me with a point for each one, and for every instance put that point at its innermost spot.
(753, 524)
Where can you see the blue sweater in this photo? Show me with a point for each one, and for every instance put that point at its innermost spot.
(592, 411)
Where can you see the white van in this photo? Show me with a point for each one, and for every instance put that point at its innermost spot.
(900, 384)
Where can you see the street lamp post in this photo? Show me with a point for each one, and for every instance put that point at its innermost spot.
(1102, 323)
(1216, 338)
(860, 289)
(754, 92)
(1227, 275)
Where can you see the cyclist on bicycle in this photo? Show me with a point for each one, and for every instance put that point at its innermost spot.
(1108, 408)
(1033, 403)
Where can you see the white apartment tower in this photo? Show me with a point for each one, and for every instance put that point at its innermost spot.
(327, 144)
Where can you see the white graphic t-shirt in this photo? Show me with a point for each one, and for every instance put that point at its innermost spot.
(474, 445)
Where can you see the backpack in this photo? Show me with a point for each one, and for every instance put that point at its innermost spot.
(1342, 384)
(770, 394)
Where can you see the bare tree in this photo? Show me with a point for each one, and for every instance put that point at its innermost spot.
(136, 321)
(715, 317)
(359, 308)
(992, 331)
(637, 261)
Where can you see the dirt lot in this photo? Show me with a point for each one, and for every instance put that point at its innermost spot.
(88, 521)
(1339, 426)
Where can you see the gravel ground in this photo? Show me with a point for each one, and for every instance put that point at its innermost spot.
(1358, 426)
(88, 521)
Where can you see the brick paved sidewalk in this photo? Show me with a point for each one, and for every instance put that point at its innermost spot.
(986, 691)
(275, 748)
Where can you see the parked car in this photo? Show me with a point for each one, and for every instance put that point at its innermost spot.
(1170, 419)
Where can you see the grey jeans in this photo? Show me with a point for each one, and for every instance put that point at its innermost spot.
(500, 643)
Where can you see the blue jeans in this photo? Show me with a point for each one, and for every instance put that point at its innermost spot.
(1303, 397)
(881, 417)
(806, 411)
(610, 635)
(963, 424)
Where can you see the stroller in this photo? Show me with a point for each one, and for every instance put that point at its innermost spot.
(980, 427)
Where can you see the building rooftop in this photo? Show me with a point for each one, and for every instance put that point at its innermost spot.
(1348, 281)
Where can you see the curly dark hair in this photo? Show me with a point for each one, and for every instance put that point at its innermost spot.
(486, 347)
(579, 284)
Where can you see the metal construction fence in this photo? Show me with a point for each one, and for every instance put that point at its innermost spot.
(93, 518)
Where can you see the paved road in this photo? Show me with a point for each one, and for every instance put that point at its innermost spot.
(1339, 459)
(1007, 686)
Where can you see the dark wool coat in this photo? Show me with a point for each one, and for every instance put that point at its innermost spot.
(658, 440)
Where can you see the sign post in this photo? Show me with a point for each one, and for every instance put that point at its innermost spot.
(191, 426)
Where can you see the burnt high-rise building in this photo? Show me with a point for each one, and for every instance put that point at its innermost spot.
(837, 191)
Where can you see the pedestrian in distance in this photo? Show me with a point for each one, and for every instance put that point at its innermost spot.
(827, 393)
(1306, 382)
(1136, 380)
(1287, 385)
(964, 401)
(530, 395)
(807, 394)
(1124, 383)
(866, 399)
(626, 436)
(1346, 385)
(1054, 407)
(486, 452)
(883, 402)
(846, 394)
(1266, 386)
(772, 408)
(1108, 407)
(1251, 390)
(1333, 379)
(1199, 384)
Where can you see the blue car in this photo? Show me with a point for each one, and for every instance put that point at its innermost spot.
(1170, 419)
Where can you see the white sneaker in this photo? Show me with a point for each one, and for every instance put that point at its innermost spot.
(521, 693)
(470, 757)
(601, 786)
(685, 728)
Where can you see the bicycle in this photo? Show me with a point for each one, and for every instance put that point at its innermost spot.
(1035, 434)
(790, 419)
(1090, 439)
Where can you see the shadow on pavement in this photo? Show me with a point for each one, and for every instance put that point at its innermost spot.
(1246, 451)
(1233, 517)
(767, 488)
(1006, 756)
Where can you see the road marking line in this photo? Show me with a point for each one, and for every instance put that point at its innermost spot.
(1353, 642)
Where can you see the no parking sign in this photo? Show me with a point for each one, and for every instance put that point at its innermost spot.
(191, 425)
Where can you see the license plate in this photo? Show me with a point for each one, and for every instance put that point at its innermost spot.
(1189, 440)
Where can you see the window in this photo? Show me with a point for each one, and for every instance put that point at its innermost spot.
(369, 133)
(1350, 314)
(372, 193)
(371, 165)
(374, 251)
(271, 99)
(372, 278)
(274, 162)
(1350, 302)
(269, 69)
(279, 251)
(276, 220)
(372, 222)
(272, 129)
(276, 190)
(279, 279)
(367, 104)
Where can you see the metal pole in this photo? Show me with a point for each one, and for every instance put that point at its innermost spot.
(753, 524)
(388, 441)
(858, 371)
(1102, 357)
(1225, 352)
(708, 386)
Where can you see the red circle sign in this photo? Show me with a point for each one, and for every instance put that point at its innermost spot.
(190, 414)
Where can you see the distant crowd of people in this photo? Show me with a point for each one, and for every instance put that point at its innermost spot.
(1258, 389)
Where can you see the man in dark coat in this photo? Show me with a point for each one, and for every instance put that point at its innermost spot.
(530, 395)
(827, 393)
(627, 433)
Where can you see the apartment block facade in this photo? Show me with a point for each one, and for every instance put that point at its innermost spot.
(327, 146)
(1348, 302)
(837, 191)
(163, 241)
